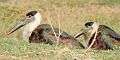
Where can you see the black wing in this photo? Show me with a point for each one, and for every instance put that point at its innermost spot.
(111, 32)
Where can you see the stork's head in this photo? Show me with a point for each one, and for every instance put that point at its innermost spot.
(32, 16)
(91, 25)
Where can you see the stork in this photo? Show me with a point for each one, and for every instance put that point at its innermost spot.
(36, 32)
(105, 36)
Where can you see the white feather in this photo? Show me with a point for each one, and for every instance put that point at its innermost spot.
(27, 29)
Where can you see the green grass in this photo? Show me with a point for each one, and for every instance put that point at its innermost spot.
(72, 15)
(18, 49)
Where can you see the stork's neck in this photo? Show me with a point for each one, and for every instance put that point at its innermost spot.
(27, 30)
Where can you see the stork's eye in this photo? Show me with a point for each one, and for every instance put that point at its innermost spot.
(29, 16)
(89, 24)
(31, 13)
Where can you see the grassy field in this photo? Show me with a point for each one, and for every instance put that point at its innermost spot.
(72, 15)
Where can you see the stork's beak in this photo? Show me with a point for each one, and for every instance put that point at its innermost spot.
(20, 24)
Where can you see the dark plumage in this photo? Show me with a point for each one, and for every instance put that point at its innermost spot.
(104, 38)
(44, 34)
